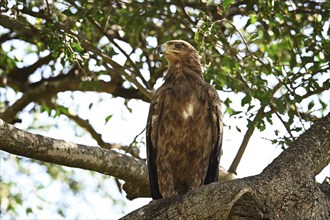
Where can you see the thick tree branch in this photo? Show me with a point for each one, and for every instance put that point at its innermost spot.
(308, 154)
(134, 151)
(109, 162)
(288, 177)
(29, 34)
(18, 77)
(284, 190)
(23, 74)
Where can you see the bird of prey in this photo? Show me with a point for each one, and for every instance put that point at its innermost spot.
(184, 128)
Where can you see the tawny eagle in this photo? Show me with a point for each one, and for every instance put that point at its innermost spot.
(184, 128)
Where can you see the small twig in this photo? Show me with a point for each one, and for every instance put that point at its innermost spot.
(86, 125)
(182, 5)
(48, 8)
(111, 39)
(247, 136)
(91, 48)
(284, 123)
(118, 184)
(134, 140)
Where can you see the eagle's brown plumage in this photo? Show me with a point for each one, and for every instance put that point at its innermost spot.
(184, 128)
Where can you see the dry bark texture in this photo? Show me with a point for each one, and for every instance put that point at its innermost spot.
(284, 190)
(109, 162)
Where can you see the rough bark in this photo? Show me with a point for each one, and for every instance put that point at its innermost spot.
(109, 162)
(133, 171)
(284, 190)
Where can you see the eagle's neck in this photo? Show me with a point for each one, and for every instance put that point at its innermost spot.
(190, 68)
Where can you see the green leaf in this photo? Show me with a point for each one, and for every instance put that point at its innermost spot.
(126, 105)
(226, 4)
(107, 118)
(250, 107)
(250, 123)
(324, 104)
(261, 125)
(254, 36)
(28, 210)
(196, 36)
(235, 112)
(246, 99)
(269, 119)
(310, 105)
(253, 18)
(76, 47)
(227, 101)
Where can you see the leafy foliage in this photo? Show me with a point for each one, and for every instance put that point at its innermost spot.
(275, 54)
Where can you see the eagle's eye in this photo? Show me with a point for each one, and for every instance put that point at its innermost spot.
(178, 46)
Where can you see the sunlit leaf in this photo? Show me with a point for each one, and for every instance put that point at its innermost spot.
(226, 4)
(108, 118)
(77, 47)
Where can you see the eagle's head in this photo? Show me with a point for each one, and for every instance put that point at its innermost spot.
(178, 51)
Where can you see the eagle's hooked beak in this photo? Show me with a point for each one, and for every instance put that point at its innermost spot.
(161, 49)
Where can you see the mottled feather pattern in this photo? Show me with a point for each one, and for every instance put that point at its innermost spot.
(184, 129)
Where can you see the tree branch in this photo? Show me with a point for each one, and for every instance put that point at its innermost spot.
(132, 170)
(18, 77)
(284, 190)
(26, 33)
(112, 40)
(266, 194)
(65, 82)
(134, 151)
(88, 46)
(109, 162)
(247, 136)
